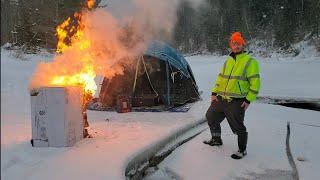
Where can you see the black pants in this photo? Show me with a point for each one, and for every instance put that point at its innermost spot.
(235, 116)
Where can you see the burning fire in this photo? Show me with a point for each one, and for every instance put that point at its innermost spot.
(90, 43)
(79, 42)
(90, 3)
(62, 35)
(85, 79)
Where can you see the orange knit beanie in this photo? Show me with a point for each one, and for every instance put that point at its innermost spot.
(237, 37)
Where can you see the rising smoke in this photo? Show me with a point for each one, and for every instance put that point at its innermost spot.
(111, 37)
(155, 18)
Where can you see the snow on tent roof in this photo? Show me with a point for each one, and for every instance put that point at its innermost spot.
(167, 53)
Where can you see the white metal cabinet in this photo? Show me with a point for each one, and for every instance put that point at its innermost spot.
(56, 114)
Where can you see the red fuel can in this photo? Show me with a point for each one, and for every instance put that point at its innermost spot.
(123, 104)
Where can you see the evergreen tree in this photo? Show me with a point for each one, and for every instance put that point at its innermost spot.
(25, 32)
(184, 28)
(277, 23)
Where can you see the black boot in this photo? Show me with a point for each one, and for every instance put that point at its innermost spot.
(242, 144)
(215, 141)
(239, 154)
(242, 141)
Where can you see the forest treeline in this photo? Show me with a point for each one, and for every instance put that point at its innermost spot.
(31, 24)
(275, 24)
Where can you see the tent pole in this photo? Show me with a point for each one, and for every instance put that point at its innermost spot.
(135, 77)
(146, 71)
(168, 84)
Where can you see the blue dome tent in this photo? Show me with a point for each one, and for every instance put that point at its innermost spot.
(162, 76)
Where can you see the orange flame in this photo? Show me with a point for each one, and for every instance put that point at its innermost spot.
(85, 77)
(90, 3)
(62, 34)
(87, 47)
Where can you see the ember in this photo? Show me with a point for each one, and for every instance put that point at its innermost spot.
(90, 3)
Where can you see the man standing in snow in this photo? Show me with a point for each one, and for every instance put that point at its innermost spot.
(237, 85)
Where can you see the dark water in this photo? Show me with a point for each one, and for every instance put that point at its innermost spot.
(310, 106)
(293, 102)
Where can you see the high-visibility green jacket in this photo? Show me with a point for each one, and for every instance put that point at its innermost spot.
(238, 78)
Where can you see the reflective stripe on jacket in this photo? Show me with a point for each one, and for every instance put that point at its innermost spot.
(238, 78)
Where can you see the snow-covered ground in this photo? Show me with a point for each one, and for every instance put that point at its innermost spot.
(103, 157)
(116, 141)
(266, 149)
(267, 158)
